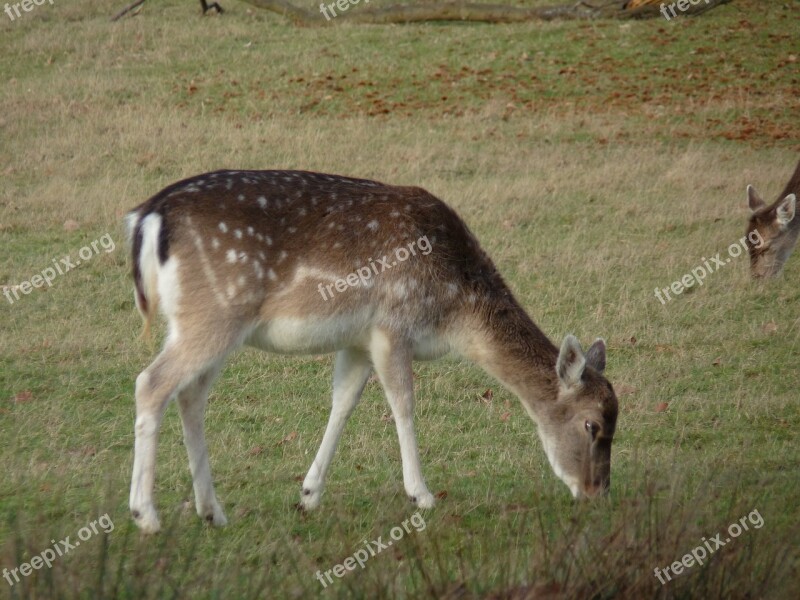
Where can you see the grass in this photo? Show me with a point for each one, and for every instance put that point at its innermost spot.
(595, 161)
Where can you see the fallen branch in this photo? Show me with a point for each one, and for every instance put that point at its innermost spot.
(126, 10)
(203, 3)
(470, 11)
(455, 10)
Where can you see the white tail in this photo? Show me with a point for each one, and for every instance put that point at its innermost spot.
(297, 262)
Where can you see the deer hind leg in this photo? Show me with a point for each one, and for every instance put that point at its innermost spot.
(392, 359)
(179, 365)
(192, 403)
(350, 374)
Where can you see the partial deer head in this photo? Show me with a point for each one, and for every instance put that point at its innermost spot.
(577, 430)
(776, 226)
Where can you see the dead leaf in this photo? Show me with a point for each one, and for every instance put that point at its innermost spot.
(662, 406)
(487, 396)
(387, 417)
(288, 438)
(25, 396)
(624, 389)
(505, 416)
(255, 451)
(771, 327)
(441, 495)
(717, 361)
(71, 225)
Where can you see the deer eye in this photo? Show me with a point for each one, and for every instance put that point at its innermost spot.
(592, 427)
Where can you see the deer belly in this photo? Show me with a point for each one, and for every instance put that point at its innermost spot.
(310, 335)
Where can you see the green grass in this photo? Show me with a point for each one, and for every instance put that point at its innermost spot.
(595, 161)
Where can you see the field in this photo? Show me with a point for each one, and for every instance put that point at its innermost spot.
(596, 162)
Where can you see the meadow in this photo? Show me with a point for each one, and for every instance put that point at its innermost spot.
(596, 161)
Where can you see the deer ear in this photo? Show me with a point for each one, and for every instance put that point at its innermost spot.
(571, 362)
(786, 210)
(596, 355)
(754, 201)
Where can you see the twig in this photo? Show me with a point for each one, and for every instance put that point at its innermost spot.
(126, 10)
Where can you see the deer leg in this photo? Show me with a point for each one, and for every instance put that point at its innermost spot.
(350, 374)
(192, 403)
(392, 359)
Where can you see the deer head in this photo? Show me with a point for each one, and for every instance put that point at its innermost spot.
(577, 430)
(772, 224)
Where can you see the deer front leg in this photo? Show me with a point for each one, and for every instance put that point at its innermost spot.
(350, 375)
(392, 359)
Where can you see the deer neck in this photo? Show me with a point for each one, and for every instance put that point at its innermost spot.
(506, 343)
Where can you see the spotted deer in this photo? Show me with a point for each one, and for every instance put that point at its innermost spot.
(239, 257)
(776, 225)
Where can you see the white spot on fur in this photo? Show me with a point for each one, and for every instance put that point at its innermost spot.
(271, 274)
(230, 256)
(223, 228)
(262, 202)
(250, 231)
(237, 233)
(215, 243)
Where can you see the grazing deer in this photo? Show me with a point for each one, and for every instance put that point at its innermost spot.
(777, 227)
(242, 257)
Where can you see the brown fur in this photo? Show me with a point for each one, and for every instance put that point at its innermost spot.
(249, 252)
(779, 239)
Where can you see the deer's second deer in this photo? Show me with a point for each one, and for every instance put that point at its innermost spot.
(239, 257)
(777, 227)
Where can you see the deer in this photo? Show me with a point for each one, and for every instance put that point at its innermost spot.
(256, 258)
(777, 226)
